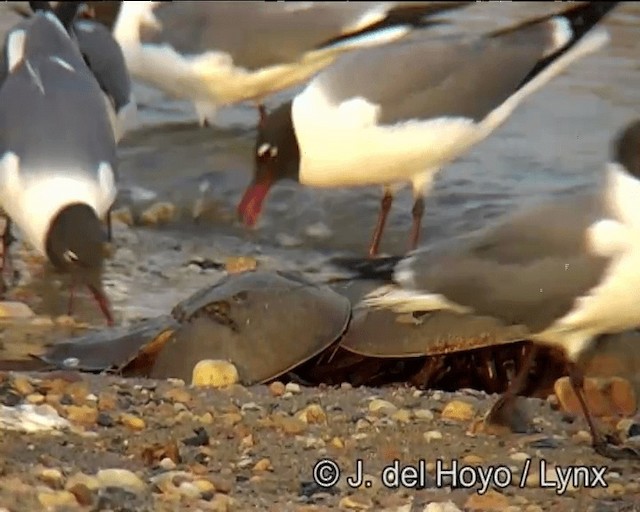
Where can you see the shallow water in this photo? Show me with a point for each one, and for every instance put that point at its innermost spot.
(557, 141)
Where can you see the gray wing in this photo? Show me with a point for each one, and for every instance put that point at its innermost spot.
(51, 116)
(105, 59)
(527, 270)
(259, 34)
(423, 78)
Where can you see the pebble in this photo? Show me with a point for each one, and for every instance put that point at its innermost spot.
(238, 264)
(423, 414)
(490, 501)
(189, 490)
(221, 503)
(382, 407)
(277, 388)
(605, 396)
(293, 388)
(214, 373)
(581, 437)
(52, 477)
(161, 212)
(122, 215)
(167, 464)
(88, 481)
(432, 435)
(122, 478)
(55, 499)
(204, 486)
(445, 506)
(458, 410)
(263, 465)
(312, 414)
(23, 386)
(616, 489)
(402, 415)
(355, 502)
(473, 460)
(82, 414)
(133, 422)
(10, 309)
(519, 456)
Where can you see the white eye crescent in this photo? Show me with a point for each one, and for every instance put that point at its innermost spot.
(70, 256)
(267, 148)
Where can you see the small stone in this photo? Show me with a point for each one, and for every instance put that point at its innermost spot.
(336, 442)
(519, 456)
(133, 422)
(214, 373)
(458, 410)
(52, 477)
(445, 506)
(83, 494)
(616, 489)
(432, 435)
(402, 416)
(90, 482)
(221, 503)
(167, 464)
(490, 501)
(178, 395)
(204, 486)
(277, 388)
(293, 388)
(222, 485)
(10, 309)
(35, 399)
(107, 401)
(381, 407)
(473, 460)
(292, 426)
(82, 414)
(581, 437)
(423, 414)
(355, 502)
(23, 386)
(55, 499)
(161, 212)
(238, 264)
(312, 414)
(189, 490)
(605, 396)
(263, 465)
(122, 215)
(122, 478)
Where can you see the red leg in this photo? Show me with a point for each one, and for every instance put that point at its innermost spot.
(385, 206)
(262, 114)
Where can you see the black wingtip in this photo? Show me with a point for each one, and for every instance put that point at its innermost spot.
(626, 148)
(369, 268)
(414, 16)
(582, 17)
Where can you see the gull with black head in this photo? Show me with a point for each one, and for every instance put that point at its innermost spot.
(102, 54)
(57, 151)
(567, 270)
(399, 112)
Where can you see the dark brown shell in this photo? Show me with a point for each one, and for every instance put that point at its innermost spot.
(383, 333)
(264, 323)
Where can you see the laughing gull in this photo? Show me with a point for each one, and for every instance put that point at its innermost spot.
(102, 54)
(566, 270)
(222, 53)
(58, 151)
(399, 112)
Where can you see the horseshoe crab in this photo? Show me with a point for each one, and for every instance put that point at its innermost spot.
(263, 323)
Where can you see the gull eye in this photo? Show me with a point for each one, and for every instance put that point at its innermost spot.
(266, 150)
(70, 256)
